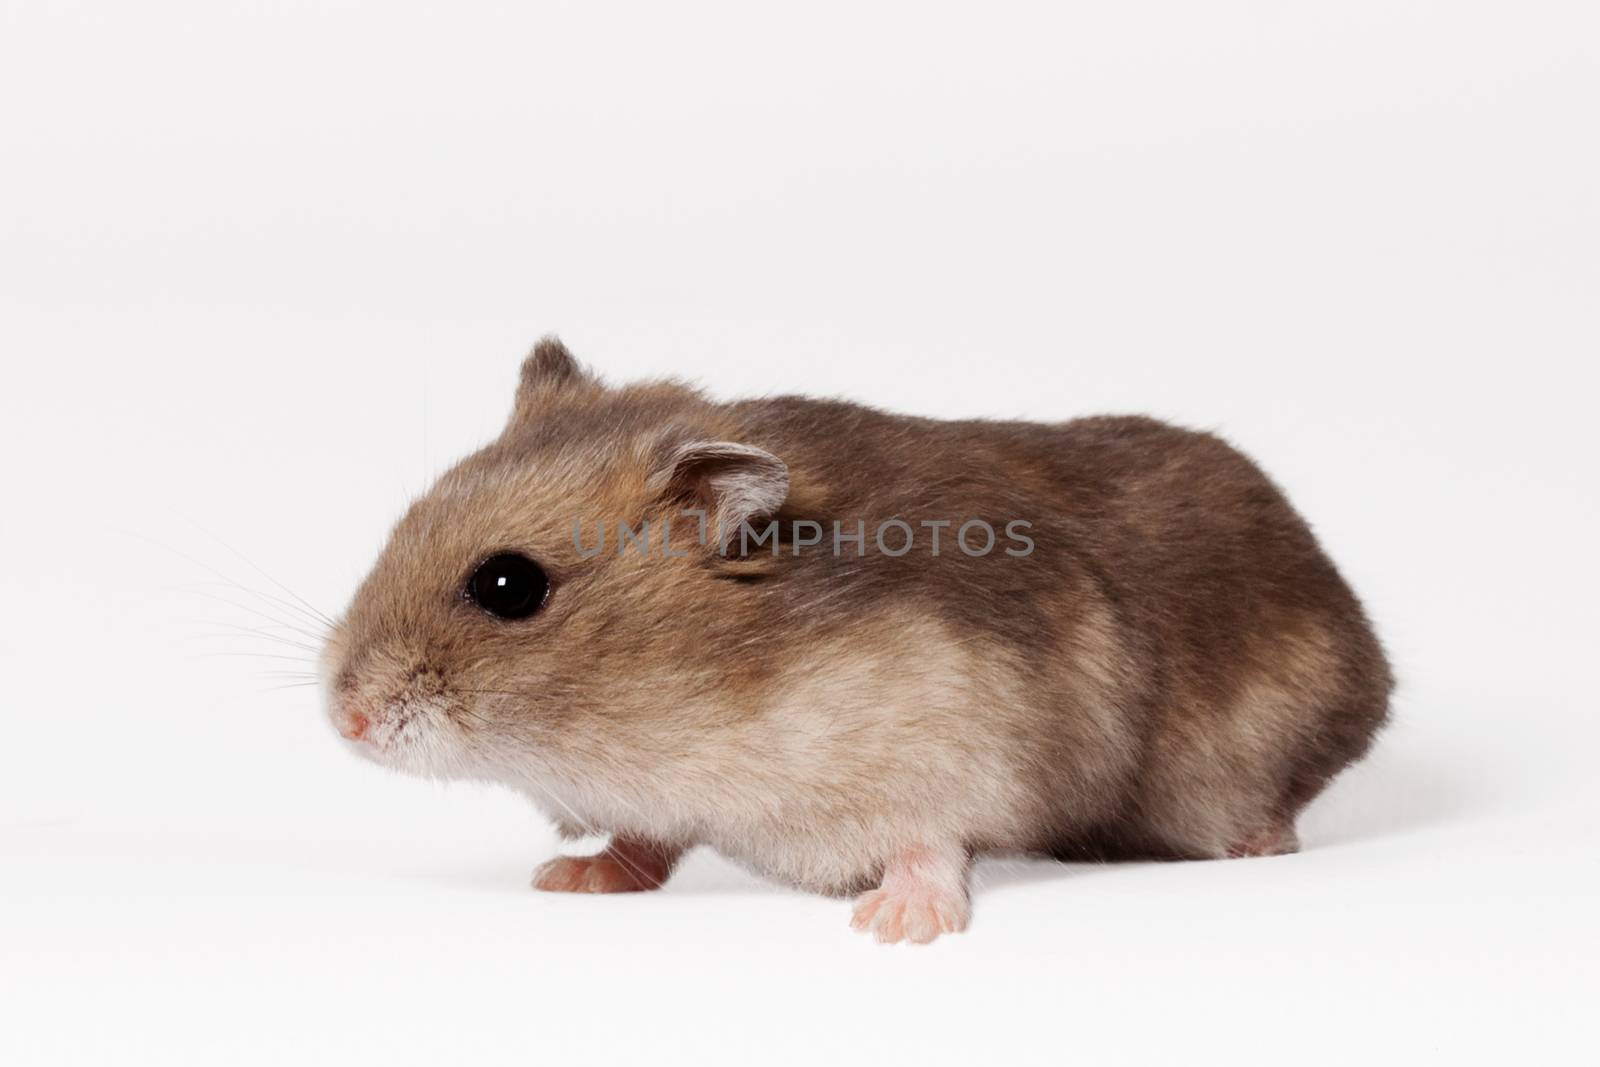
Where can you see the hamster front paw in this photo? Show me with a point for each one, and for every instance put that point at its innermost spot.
(624, 867)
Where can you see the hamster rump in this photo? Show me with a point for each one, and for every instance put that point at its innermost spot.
(1260, 676)
(1147, 653)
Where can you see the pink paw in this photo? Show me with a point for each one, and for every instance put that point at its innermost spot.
(917, 914)
(604, 873)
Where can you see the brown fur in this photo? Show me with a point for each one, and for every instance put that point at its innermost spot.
(1176, 669)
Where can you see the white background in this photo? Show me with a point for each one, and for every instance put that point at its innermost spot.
(266, 268)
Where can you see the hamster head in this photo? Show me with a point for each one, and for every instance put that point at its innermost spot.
(492, 640)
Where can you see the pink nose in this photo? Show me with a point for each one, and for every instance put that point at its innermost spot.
(355, 726)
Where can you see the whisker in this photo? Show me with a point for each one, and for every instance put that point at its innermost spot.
(307, 610)
(255, 611)
(247, 632)
(300, 615)
(259, 570)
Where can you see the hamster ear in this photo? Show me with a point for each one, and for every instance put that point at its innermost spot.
(549, 369)
(734, 483)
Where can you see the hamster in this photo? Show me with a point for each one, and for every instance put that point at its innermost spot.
(778, 628)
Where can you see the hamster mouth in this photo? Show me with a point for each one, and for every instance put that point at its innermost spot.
(393, 728)
(371, 729)
(413, 735)
(407, 723)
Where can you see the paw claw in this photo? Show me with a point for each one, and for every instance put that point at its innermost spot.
(866, 908)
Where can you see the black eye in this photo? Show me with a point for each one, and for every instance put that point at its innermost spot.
(509, 586)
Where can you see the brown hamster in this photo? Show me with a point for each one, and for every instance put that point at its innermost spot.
(852, 649)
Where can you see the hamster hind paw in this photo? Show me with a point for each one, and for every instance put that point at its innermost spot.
(915, 917)
(923, 895)
(1277, 840)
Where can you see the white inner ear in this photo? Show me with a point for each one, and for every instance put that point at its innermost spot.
(744, 482)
